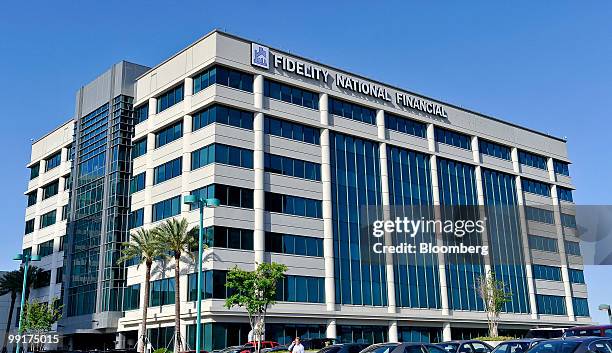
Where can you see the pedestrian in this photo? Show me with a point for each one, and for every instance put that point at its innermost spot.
(296, 346)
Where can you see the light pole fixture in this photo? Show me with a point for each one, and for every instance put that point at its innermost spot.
(606, 308)
(25, 260)
(201, 204)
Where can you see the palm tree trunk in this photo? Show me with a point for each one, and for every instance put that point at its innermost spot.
(10, 320)
(145, 307)
(177, 304)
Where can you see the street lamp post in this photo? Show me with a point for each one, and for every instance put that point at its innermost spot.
(606, 307)
(25, 259)
(201, 203)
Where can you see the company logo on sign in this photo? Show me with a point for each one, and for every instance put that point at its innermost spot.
(260, 56)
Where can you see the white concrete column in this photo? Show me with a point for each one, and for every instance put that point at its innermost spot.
(64, 154)
(380, 124)
(148, 205)
(525, 236)
(446, 331)
(331, 332)
(435, 192)
(390, 270)
(567, 286)
(186, 167)
(328, 227)
(393, 334)
(152, 106)
(258, 166)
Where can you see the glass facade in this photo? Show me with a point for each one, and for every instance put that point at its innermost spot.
(293, 244)
(494, 149)
(561, 167)
(532, 160)
(568, 220)
(293, 205)
(405, 125)
(228, 195)
(168, 134)
(360, 274)
(53, 161)
(304, 289)
(453, 138)
(221, 114)
(292, 167)
(224, 154)
(576, 276)
(223, 76)
(549, 273)
(362, 334)
(581, 306)
(291, 94)
(352, 111)
(535, 187)
(551, 304)
(290, 130)
(170, 98)
(168, 170)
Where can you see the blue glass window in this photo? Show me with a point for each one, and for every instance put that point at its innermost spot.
(139, 148)
(294, 244)
(29, 226)
(141, 113)
(131, 297)
(572, 248)
(551, 304)
(568, 220)
(550, 273)
(581, 306)
(453, 138)
(137, 182)
(565, 194)
(292, 167)
(46, 248)
(53, 161)
(213, 285)
(228, 195)
(170, 98)
(294, 205)
(539, 215)
(537, 242)
(223, 115)
(536, 187)
(32, 196)
(169, 134)
(230, 238)
(223, 76)
(352, 111)
(532, 160)
(224, 154)
(136, 218)
(290, 130)
(405, 125)
(291, 94)
(561, 167)
(168, 170)
(494, 149)
(166, 208)
(47, 219)
(576, 276)
(301, 289)
(162, 292)
(50, 189)
(34, 170)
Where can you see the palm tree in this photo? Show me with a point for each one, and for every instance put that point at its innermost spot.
(143, 246)
(177, 239)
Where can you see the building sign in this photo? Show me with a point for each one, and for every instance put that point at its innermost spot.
(260, 56)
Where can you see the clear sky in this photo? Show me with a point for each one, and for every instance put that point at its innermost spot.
(546, 65)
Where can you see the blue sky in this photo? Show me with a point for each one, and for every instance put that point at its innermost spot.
(544, 65)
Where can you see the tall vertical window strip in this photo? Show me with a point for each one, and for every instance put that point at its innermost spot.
(139, 148)
(166, 208)
(551, 304)
(34, 170)
(352, 111)
(416, 276)
(535, 187)
(48, 219)
(224, 154)
(131, 297)
(137, 183)
(223, 76)
(29, 226)
(505, 237)
(541, 243)
(453, 138)
(539, 215)
(292, 167)
(53, 161)
(223, 115)
(293, 244)
(564, 194)
(532, 160)
(568, 220)
(581, 306)
(293, 205)
(291, 94)
(50, 190)
(576, 276)
(136, 218)
(494, 149)
(549, 273)
(360, 276)
(141, 113)
(305, 289)
(46, 248)
(32, 196)
(170, 98)
(405, 125)
(457, 183)
(169, 134)
(572, 248)
(168, 170)
(228, 195)
(561, 167)
(162, 292)
(290, 130)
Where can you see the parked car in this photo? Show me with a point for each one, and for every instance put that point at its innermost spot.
(545, 332)
(466, 346)
(317, 343)
(598, 330)
(574, 345)
(282, 347)
(516, 346)
(249, 347)
(231, 349)
(409, 347)
(344, 348)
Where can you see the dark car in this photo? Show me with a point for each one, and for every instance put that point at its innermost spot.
(317, 343)
(574, 345)
(599, 330)
(517, 346)
(465, 346)
(344, 348)
(545, 332)
(403, 348)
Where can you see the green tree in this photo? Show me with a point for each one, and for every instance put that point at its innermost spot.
(494, 296)
(255, 291)
(178, 239)
(145, 247)
(38, 318)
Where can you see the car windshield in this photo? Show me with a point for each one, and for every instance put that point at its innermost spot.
(555, 347)
(449, 347)
(511, 347)
(593, 332)
(380, 348)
